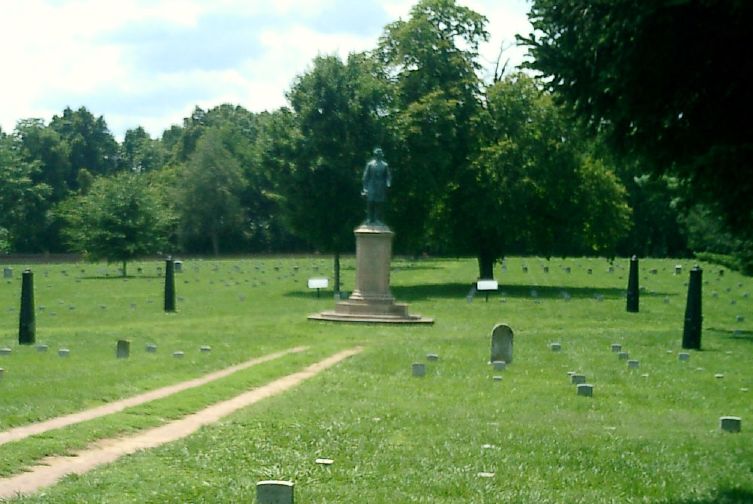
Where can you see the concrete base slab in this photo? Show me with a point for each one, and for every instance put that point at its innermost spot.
(362, 318)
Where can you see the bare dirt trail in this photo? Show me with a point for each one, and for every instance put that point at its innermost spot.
(52, 469)
(24, 431)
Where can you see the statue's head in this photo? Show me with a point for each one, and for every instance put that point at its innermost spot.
(378, 153)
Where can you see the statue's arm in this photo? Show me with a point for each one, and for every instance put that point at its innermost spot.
(365, 180)
(389, 175)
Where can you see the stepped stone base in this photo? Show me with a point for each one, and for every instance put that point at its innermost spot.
(377, 311)
(371, 301)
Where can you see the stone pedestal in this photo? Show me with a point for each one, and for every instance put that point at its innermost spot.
(372, 300)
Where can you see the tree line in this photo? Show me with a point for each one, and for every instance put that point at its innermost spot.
(514, 165)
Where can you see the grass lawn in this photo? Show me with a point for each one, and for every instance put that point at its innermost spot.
(647, 435)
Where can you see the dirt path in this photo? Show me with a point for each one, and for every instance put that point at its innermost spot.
(24, 431)
(52, 469)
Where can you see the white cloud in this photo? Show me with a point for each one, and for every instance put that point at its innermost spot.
(67, 52)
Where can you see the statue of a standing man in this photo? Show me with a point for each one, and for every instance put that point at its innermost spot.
(376, 180)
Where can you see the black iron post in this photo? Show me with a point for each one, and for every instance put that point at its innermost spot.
(27, 329)
(169, 285)
(691, 335)
(633, 289)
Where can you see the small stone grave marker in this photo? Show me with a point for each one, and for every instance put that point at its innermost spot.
(418, 369)
(568, 269)
(739, 318)
(485, 475)
(502, 340)
(585, 389)
(633, 364)
(616, 347)
(5, 351)
(324, 461)
(151, 347)
(623, 355)
(178, 266)
(7, 272)
(42, 348)
(683, 356)
(432, 357)
(497, 378)
(2, 372)
(179, 354)
(205, 349)
(555, 347)
(590, 271)
(719, 376)
(123, 349)
(730, 423)
(577, 379)
(499, 365)
(64, 352)
(678, 269)
(274, 492)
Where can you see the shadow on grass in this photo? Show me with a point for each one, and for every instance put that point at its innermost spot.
(120, 277)
(460, 291)
(724, 496)
(737, 334)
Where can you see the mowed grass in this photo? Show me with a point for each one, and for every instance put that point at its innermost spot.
(647, 435)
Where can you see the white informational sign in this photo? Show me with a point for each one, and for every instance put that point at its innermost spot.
(318, 283)
(487, 285)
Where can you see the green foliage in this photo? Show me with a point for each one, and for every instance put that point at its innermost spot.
(337, 117)
(120, 218)
(139, 152)
(431, 62)
(665, 81)
(21, 199)
(533, 187)
(91, 144)
(208, 192)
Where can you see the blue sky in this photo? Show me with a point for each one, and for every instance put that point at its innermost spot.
(150, 62)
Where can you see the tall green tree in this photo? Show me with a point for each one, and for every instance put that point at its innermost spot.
(666, 81)
(120, 218)
(431, 61)
(139, 152)
(208, 192)
(20, 197)
(533, 186)
(337, 108)
(44, 147)
(90, 142)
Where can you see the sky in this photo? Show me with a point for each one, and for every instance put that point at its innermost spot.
(150, 62)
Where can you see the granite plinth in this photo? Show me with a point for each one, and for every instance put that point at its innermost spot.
(372, 301)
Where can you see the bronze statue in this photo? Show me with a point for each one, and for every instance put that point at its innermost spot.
(376, 180)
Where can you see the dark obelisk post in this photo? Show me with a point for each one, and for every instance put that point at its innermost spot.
(169, 285)
(27, 329)
(632, 290)
(691, 335)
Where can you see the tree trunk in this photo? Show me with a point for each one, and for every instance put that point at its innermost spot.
(337, 273)
(125, 271)
(215, 243)
(486, 265)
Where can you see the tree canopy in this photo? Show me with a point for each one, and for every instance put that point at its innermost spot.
(119, 219)
(666, 81)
